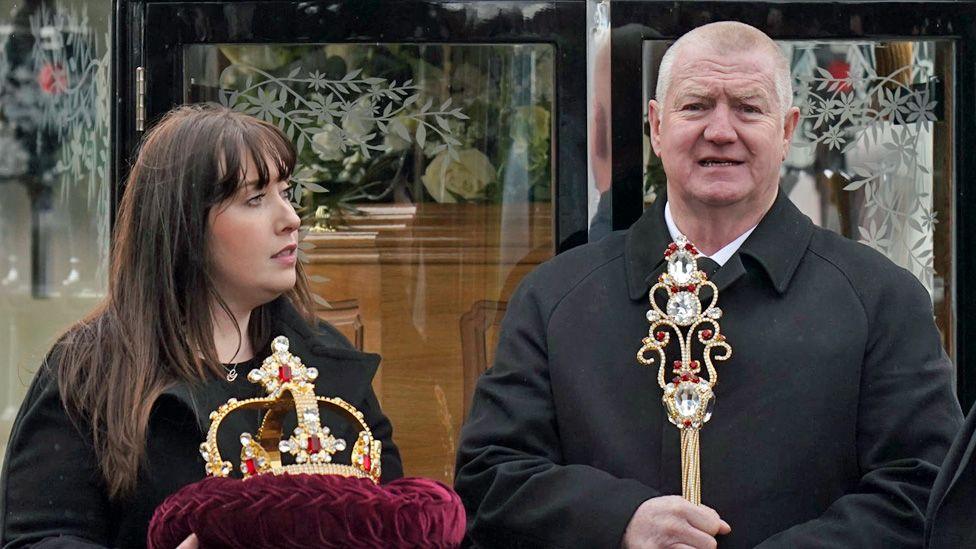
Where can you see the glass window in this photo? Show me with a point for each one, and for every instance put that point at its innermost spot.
(872, 156)
(54, 179)
(425, 179)
(598, 111)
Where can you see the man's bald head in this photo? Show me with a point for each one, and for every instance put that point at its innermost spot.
(729, 36)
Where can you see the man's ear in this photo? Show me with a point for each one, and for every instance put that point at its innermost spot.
(790, 121)
(654, 120)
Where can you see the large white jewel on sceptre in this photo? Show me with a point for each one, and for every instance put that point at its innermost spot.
(688, 397)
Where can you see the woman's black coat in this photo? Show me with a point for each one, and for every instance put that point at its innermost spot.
(51, 484)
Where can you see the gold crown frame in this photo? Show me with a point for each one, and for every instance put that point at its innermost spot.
(290, 387)
(689, 398)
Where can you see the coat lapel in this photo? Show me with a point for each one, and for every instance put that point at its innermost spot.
(644, 250)
(343, 371)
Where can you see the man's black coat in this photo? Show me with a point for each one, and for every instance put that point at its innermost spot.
(951, 520)
(51, 486)
(831, 418)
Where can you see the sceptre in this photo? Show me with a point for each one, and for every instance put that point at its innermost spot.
(688, 397)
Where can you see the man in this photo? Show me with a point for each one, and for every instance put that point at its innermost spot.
(832, 415)
(950, 522)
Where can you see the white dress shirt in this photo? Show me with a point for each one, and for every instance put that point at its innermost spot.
(720, 256)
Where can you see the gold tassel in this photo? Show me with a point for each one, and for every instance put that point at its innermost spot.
(690, 468)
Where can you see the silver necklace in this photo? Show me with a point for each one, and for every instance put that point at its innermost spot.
(231, 372)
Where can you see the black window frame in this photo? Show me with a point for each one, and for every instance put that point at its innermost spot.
(157, 31)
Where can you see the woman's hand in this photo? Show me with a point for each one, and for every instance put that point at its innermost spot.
(191, 542)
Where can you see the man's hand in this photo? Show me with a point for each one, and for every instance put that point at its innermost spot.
(671, 521)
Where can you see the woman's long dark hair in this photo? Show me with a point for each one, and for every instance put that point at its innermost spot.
(155, 326)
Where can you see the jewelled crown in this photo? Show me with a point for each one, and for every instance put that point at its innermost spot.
(290, 387)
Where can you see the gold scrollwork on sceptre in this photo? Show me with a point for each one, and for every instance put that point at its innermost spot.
(688, 397)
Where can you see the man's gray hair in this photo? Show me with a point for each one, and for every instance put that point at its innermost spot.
(730, 36)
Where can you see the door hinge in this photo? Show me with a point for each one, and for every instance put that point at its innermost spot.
(140, 99)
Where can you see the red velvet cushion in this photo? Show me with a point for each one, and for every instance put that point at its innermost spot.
(310, 511)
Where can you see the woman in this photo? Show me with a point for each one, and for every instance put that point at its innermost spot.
(204, 275)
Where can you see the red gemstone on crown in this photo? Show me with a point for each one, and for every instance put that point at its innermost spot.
(695, 365)
(284, 373)
(691, 287)
(660, 336)
(684, 377)
(367, 463)
(250, 466)
(706, 334)
(675, 289)
(677, 364)
(687, 423)
(314, 445)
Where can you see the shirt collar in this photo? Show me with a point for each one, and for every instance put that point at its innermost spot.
(722, 255)
(776, 244)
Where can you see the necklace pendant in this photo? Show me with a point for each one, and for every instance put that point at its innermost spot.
(232, 375)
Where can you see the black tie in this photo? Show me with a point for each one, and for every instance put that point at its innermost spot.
(708, 265)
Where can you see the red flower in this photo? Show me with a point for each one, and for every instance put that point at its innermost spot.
(841, 71)
(52, 79)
